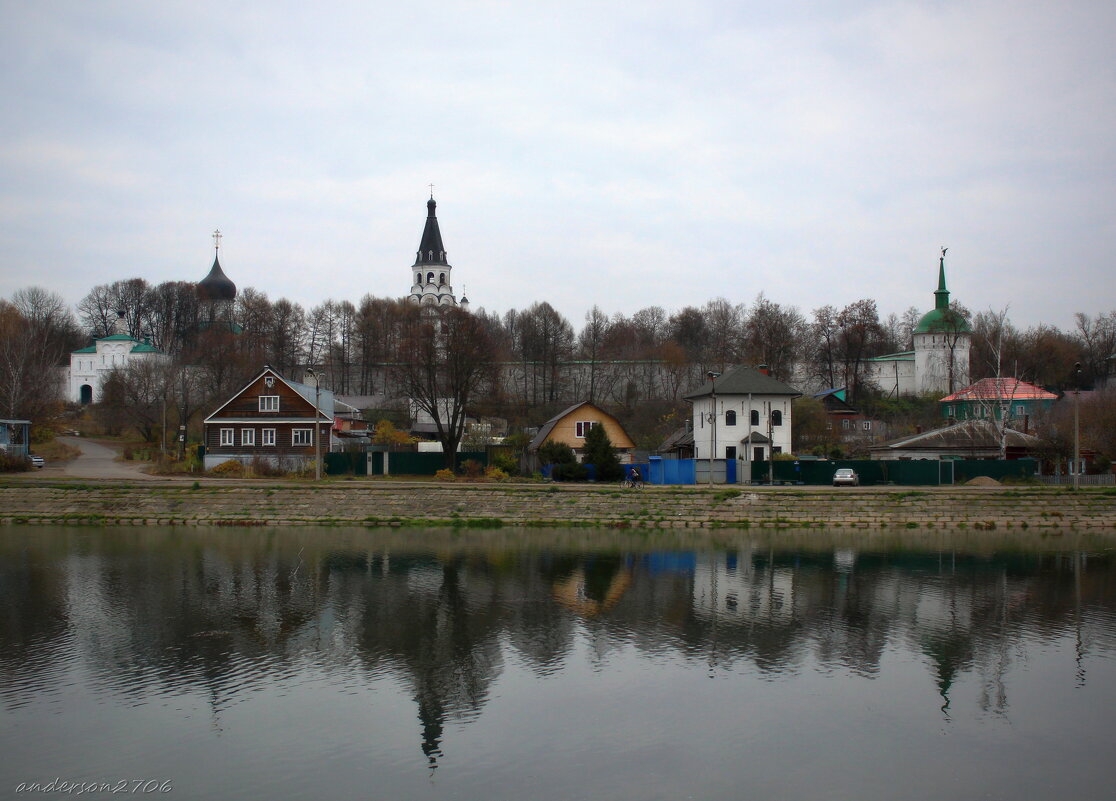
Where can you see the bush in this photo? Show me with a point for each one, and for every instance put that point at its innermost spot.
(228, 469)
(508, 464)
(445, 475)
(13, 463)
(570, 472)
(495, 474)
(472, 468)
(552, 452)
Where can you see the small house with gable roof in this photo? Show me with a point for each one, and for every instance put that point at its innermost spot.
(271, 419)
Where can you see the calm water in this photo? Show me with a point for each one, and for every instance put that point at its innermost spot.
(550, 665)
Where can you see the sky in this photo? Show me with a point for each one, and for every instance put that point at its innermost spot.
(603, 153)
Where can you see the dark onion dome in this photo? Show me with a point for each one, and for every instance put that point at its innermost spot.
(216, 285)
(431, 250)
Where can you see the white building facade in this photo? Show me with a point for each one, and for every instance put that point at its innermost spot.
(91, 366)
(743, 414)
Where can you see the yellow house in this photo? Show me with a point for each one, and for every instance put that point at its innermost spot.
(574, 423)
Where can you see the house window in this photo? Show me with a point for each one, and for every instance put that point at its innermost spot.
(949, 411)
(776, 418)
(867, 425)
(269, 403)
(845, 425)
(227, 438)
(1020, 409)
(754, 417)
(730, 418)
(582, 428)
(302, 436)
(247, 436)
(267, 436)
(730, 452)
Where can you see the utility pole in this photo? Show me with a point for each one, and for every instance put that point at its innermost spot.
(317, 425)
(1076, 426)
(713, 419)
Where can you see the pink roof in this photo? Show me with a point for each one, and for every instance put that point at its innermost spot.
(1000, 389)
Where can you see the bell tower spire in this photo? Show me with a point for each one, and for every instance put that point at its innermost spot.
(431, 270)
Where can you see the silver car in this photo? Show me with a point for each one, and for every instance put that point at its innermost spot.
(847, 477)
(38, 462)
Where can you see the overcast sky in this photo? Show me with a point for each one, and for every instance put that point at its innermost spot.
(623, 154)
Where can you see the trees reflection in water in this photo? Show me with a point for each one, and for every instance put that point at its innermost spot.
(158, 612)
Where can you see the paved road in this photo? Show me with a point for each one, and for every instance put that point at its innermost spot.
(96, 461)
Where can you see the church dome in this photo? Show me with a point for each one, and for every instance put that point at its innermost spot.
(939, 321)
(216, 285)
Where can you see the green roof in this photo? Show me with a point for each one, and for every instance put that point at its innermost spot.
(939, 321)
(117, 338)
(90, 349)
(903, 356)
(145, 347)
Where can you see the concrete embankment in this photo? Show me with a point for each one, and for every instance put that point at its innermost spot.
(385, 503)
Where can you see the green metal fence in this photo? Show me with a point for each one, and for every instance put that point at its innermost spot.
(921, 472)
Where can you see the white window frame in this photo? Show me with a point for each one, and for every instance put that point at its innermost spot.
(269, 403)
(867, 425)
(228, 437)
(248, 437)
(267, 437)
(581, 427)
(296, 435)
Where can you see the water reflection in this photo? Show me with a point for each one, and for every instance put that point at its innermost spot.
(137, 615)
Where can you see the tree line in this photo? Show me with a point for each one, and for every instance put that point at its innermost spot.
(536, 359)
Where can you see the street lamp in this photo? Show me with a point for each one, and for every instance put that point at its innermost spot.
(1076, 426)
(713, 420)
(317, 428)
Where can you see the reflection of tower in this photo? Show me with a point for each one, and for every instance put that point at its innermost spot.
(432, 271)
(216, 293)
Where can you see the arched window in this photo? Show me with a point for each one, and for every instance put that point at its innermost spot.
(730, 418)
(441, 278)
(430, 256)
(776, 418)
(755, 417)
(430, 278)
(418, 278)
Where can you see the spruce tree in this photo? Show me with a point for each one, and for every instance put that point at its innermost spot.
(599, 452)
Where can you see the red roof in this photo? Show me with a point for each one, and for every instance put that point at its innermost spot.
(1000, 389)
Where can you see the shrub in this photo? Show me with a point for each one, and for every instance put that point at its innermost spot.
(570, 472)
(552, 452)
(229, 468)
(445, 475)
(266, 468)
(472, 468)
(495, 474)
(508, 464)
(13, 463)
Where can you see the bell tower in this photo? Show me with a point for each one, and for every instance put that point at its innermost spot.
(431, 282)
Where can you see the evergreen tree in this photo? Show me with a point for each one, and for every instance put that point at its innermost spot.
(599, 452)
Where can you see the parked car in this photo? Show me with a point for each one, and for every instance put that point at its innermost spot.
(37, 462)
(846, 476)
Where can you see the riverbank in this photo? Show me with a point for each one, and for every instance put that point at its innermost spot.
(375, 503)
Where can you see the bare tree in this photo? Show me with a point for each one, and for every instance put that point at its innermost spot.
(443, 366)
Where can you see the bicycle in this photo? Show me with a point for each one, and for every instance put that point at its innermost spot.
(630, 483)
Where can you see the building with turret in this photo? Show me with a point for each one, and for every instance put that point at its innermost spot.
(939, 363)
(90, 367)
(432, 271)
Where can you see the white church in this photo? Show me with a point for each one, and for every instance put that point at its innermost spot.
(939, 363)
(91, 366)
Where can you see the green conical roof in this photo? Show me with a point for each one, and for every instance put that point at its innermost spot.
(941, 318)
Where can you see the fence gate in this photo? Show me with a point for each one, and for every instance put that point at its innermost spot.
(945, 473)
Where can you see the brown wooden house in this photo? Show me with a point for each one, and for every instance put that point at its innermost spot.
(272, 420)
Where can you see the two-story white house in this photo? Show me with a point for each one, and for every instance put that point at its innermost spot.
(743, 414)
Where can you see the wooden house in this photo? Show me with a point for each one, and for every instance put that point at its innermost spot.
(571, 426)
(271, 419)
